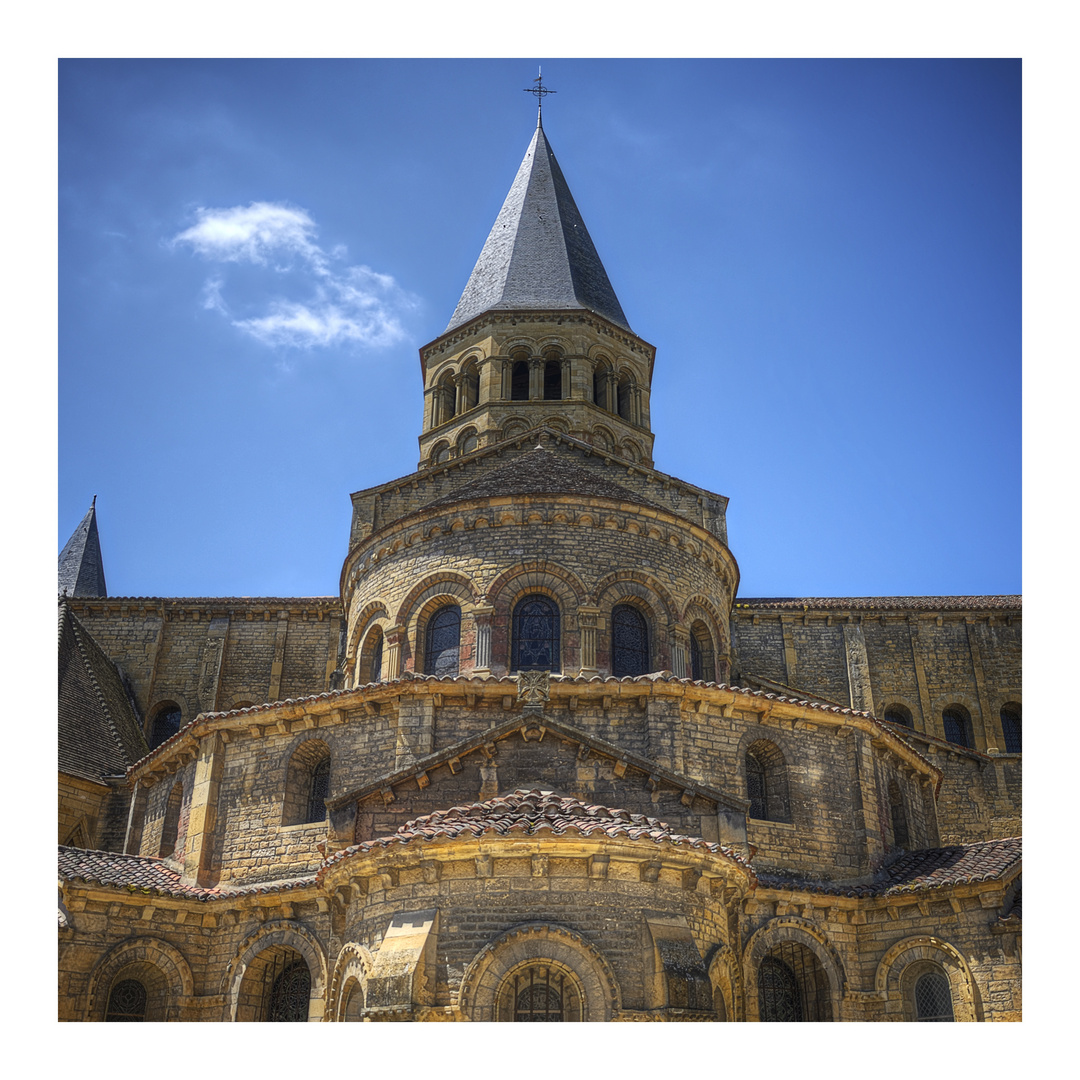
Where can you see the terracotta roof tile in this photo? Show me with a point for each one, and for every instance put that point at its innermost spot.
(534, 813)
(932, 868)
(139, 873)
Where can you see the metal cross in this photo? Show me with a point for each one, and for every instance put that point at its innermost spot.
(540, 90)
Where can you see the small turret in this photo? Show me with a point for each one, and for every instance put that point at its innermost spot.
(81, 572)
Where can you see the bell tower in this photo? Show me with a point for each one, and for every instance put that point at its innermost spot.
(538, 336)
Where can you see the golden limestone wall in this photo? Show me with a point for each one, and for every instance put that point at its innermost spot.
(204, 655)
(432, 931)
(921, 659)
(597, 553)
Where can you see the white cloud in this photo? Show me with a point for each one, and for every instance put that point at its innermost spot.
(345, 304)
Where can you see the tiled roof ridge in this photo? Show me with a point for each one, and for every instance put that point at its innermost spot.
(511, 680)
(533, 812)
(1002, 601)
(916, 871)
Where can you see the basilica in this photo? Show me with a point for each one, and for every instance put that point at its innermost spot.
(538, 759)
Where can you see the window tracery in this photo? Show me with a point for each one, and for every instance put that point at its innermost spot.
(536, 635)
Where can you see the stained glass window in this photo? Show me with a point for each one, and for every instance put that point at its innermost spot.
(756, 790)
(629, 642)
(375, 674)
(536, 635)
(697, 664)
(956, 726)
(127, 1002)
(1010, 727)
(166, 724)
(778, 992)
(933, 998)
(290, 994)
(443, 641)
(320, 789)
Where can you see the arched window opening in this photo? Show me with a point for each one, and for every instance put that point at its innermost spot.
(369, 663)
(288, 982)
(702, 659)
(898, 714)
(629, 642)
(352, 1009)
(470, 388)
(127, 1002)
(166, 723)
(441, 653)
(901, 839)
(541, 993)
(933, 998)
(793, 986)
(319, 791)
(307, 784)
(601, 387)
(553, 388)
(626, 398)
(442, 406)
(440, 453)
(468, 441)
(519, 381)
(1010, 727)
(957, 724)
(170, 827)
(536, 635)
(778, 992)
(766, 783)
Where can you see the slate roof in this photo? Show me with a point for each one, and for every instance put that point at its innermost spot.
(81, 572)
(139, 873)
(98, 731)
(883, 603)
(534, 813)
(538, 255)
(540, 471)
(916, 871)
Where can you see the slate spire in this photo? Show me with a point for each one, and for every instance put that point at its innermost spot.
(538, 254)
(81, 572)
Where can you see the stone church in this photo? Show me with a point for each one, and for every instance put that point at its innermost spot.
(538, 760)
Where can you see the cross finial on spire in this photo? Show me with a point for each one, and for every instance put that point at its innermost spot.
(540, 90)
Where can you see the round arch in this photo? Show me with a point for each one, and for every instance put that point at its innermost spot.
(150, 960)
(914, 956)
(725, 974)
(538, 943)
(290, 935)
(351, 972)
(799, 931)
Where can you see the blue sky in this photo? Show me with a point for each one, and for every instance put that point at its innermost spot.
(826, 254)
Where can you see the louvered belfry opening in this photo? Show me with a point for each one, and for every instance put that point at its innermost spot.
(793, 986)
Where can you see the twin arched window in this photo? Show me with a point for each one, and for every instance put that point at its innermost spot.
(535, 635)
(629, 642)
(443, 645)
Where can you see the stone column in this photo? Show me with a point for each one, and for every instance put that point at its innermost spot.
(460, 392)
(482, 650)
(635, 406)
(588, 619)
(611, 393)
(567, 378)
(506, 375)
(391, 665)
(536, 378)
(679, 636)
